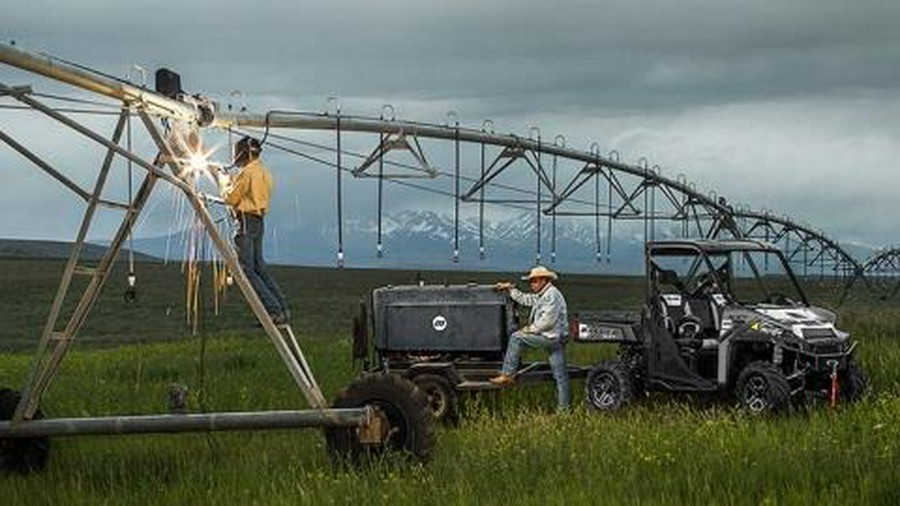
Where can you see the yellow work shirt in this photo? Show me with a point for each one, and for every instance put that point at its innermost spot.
(251, 189)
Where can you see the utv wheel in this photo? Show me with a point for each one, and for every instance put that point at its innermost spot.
(609, 386)
(20, 455)
(853, 382)
(403, 408)
(763, 388)
(443, 400)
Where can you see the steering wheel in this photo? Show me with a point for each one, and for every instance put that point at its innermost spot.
(689, 327)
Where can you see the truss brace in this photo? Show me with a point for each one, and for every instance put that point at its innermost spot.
(397, 141)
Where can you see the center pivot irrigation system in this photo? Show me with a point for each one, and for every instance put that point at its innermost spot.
(376, 412)
(527, 173)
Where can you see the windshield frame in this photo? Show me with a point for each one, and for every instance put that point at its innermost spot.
(688, 248)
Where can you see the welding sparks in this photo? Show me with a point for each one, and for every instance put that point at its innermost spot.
(196, 165)
(194, 161)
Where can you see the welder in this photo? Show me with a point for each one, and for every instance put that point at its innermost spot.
(248, 194)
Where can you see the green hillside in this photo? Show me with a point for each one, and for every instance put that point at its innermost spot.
(24, 248)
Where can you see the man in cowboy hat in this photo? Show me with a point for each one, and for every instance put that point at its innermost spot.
(548, 327)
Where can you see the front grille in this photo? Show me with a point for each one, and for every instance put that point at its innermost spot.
(827, 348)
(818, 333)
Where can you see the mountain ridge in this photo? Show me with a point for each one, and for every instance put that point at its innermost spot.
(37, 248)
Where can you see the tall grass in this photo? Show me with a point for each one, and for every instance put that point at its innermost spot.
(509, 448)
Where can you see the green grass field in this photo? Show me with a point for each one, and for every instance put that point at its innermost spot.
(509, 449)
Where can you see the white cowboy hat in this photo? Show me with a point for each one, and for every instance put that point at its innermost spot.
(540, 272)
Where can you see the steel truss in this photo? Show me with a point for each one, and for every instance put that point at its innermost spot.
(815, 256)
(598, 187)
(882, 273)
(562, 177)
(60, 330)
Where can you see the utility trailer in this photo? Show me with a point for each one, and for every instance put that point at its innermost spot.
(376, 412)
(446, 339)
(723, 318)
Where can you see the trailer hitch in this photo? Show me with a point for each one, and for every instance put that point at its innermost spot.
(374, 427)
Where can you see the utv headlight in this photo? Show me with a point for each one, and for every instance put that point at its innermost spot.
(769, 328)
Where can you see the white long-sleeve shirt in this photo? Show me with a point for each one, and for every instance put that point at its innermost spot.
(548, 311)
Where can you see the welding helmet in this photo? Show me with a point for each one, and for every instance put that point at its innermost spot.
(246, 150)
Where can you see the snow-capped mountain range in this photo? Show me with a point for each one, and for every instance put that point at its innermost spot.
(425, 239)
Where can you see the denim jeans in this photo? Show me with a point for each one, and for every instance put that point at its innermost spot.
(250, 253)
(557, 361)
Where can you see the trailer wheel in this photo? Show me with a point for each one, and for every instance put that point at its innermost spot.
(853, 382)
(609, 386)
(20, 455)
(763, 388)
(443, 399)
(404, 408)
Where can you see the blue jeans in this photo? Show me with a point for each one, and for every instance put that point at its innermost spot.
(250, 253)
(557, 361)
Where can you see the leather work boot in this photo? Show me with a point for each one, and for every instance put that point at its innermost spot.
(503, 380)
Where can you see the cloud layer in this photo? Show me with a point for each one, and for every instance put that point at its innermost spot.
(789, 106)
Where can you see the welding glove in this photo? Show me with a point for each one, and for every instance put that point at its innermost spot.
(223, 180)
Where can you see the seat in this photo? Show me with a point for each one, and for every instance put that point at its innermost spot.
(707, 312)
(671, 311)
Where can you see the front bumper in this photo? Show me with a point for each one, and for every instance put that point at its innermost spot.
(820, 357)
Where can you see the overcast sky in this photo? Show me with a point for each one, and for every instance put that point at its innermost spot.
(777, 104)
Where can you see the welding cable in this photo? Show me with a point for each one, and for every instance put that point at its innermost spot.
(266, 132)
(267, 121)
(211, 441)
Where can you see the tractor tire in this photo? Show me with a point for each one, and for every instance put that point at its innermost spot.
(21, 455)
(404, 407)
(443, 399)
(853, 382)
(609, 386)
(762, 388)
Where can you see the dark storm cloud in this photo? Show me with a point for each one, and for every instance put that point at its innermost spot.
(718, 89)
(534, 53)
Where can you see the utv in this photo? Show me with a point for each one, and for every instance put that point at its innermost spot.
(725, 318)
